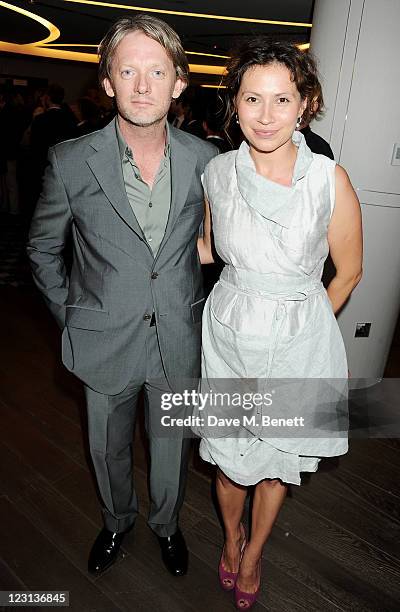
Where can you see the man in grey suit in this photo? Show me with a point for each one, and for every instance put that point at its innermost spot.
(131, 308)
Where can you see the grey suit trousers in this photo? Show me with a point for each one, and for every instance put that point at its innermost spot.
(111, 422)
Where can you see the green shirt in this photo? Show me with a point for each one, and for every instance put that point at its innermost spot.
(150, 206)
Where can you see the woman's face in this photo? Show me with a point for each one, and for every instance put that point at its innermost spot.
(268, 105)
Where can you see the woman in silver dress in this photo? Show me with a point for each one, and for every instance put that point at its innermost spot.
(276, 211)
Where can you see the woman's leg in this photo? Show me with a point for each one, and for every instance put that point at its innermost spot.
(269, 496)
(231, 498)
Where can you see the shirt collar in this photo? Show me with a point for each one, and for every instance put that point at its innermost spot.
(124, 150)
(304, 157)
(272, 200)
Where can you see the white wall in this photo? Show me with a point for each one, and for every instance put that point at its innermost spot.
(373, 113)
(357, 44)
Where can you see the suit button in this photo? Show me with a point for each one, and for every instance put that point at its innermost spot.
(154, 275)
(146, 317)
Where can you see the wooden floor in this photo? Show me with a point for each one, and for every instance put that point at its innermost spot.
(335, 545)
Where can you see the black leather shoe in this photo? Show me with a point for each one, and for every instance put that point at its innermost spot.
(104, 551)
(174, 553)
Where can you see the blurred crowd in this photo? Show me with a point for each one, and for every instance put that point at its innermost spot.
(31, 123)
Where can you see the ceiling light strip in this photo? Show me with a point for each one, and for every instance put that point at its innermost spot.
(95, 47)
(88, 57)
(204, 69)
(207, 54)
(54, 32)
(48, 52)
(146, 9)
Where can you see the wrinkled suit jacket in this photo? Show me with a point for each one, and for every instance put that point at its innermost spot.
(103, 306)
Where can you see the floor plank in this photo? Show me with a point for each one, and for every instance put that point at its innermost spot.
(373, 471)
(34, 407)
(281, 589)
(331, 503)
(36, 449)
(385, 455)
(357, 556)
(366, 493)
(335, 545)
(41, 566)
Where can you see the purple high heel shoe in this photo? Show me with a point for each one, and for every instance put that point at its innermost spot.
(227, 579)
(243, 600)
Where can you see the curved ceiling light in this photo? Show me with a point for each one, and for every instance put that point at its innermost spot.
(42, 48)
(95, 47)
(54, 32)
(72, 45)
(301, 46)
(146, 9)
(39, 48)
(45, 51)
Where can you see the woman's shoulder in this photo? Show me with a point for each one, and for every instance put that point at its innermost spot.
(323, 161)
(221, 161)
(322, 170)
(218, 172)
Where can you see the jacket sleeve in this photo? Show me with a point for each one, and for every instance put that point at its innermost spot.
(48, 234)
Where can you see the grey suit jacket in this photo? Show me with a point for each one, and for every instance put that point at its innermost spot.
(115, 281)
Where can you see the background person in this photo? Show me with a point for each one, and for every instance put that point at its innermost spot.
(316, 143)
(213, 126)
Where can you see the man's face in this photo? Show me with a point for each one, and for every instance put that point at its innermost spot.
(143, 80)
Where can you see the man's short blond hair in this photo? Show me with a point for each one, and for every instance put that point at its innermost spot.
(154, 28)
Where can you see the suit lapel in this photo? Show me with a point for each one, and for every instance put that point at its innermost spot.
(106, 167)
(183, 164)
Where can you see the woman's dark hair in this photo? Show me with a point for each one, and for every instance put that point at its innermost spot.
(261, 51)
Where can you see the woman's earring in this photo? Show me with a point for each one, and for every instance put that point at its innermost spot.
(236, 118)
(298, 124)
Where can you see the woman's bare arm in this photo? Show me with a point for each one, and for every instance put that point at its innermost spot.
(204, 242)
(345, 241)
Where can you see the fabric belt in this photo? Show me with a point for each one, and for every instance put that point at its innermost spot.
(269, 286)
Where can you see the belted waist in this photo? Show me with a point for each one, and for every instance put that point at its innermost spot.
(268, 286)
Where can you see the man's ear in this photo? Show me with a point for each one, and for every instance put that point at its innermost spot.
(108, 88)
(180, 85)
